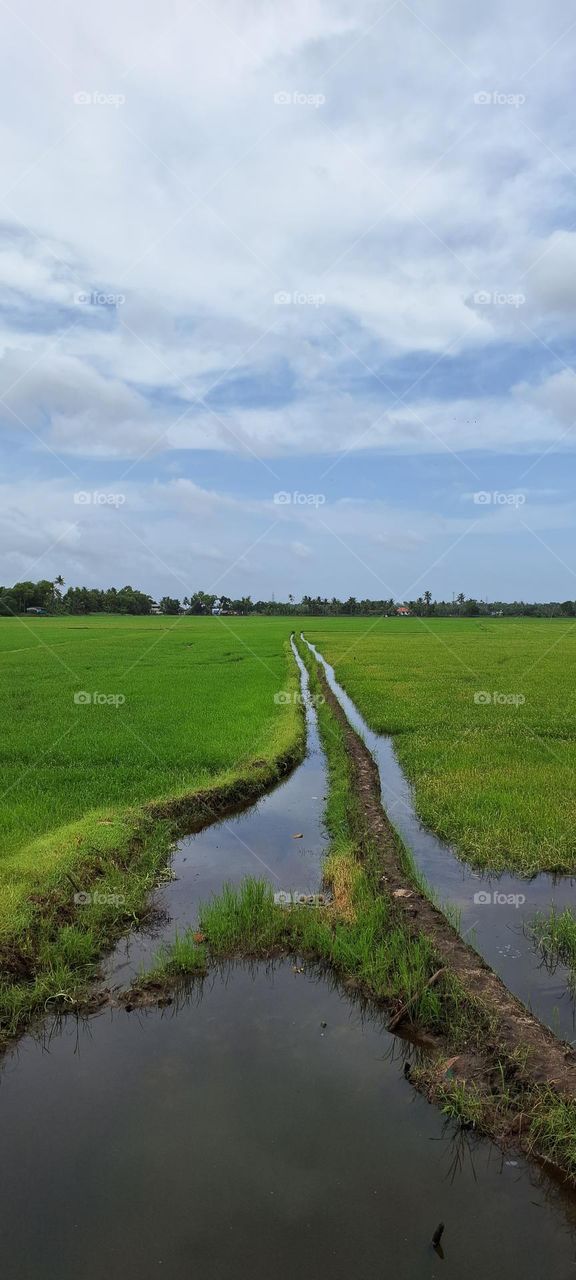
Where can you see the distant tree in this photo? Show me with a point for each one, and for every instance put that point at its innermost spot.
(25, 594)
(201, 602)
(8, 603)
(169, 605)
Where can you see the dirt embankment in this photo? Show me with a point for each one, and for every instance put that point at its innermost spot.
(548, 1060)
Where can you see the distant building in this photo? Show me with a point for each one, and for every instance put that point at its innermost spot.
(155, 608)
(34, 609)
(403, 611)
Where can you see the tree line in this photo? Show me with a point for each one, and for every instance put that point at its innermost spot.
(51, 597)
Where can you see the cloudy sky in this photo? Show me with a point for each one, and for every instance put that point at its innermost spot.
(289, 295)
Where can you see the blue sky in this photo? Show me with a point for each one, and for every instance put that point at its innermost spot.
(327, 253)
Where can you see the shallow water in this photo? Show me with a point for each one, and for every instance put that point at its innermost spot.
(494, 926)
(240, 1137)
(234, 1134)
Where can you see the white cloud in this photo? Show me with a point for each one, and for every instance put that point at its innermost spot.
(389, 205)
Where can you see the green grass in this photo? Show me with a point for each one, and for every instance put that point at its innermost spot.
(51, 960)
(184, 957)
(495, 779)
(198, 712)
(555, 937)
(510, 1109)
(553, 1128)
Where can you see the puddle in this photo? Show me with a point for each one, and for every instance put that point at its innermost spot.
(234, 1134)
(239, 1137)
(494, 926)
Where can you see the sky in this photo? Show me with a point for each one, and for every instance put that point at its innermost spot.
(289, 297)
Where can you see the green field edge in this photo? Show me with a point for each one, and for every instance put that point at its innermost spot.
(363, 941)
(107, 866)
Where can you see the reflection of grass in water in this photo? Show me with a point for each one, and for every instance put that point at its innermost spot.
(555, 937)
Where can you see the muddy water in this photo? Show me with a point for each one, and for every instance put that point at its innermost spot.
(260, 1127)
(494, 910)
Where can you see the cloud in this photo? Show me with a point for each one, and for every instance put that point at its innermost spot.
(183, 168)
(300, 550)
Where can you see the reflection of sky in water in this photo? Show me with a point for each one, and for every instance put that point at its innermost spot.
(261, 1127)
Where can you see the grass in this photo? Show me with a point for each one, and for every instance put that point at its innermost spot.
(184, 957)
(53, 959)
(555, 937)
(547, 1121)
(199, 710)
(493, 778)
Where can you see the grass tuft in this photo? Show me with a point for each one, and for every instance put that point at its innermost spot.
(555, 937)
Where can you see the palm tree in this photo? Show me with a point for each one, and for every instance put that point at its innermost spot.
(57, 583)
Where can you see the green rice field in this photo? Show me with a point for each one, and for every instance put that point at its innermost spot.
(483, 716)
(102, 715)
(180, 705)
